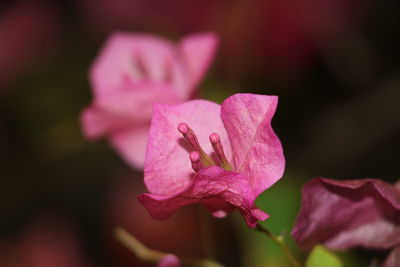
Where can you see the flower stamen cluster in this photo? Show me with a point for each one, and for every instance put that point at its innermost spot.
(198, 157)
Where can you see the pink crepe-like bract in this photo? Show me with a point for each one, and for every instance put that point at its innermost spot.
(350, 213)
(254, 152)
(133, 71)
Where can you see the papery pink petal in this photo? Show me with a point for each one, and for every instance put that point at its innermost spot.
(257, 151)
(167, 166)
(169, 260)
(345, 214)
(210, 186)
(198, 50)
(131, 144)
(135, 58)
(161, 207)
(393, 259)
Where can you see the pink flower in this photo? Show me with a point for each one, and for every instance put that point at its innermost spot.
(131, 72)
(222, 156)
(345, 214)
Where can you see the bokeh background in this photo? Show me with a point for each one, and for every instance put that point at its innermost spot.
(333, 63)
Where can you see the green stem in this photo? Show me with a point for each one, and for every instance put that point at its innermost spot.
(279, 240)
(154, 256)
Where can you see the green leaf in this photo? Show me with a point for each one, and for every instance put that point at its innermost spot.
(320, 256)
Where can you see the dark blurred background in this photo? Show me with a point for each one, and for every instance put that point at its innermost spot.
(334, 64)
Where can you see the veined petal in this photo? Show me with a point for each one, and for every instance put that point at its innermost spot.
(210, 186)
(257, 151)
(168, 169)
(345, 214)
(198, 51)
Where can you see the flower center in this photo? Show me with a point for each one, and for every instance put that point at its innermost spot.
(197, 156)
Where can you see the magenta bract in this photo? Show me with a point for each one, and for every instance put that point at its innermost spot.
(132, 72)
(345, 214)
(222, 156)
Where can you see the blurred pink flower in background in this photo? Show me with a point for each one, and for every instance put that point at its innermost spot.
(132, 72)
(242, 156)
(351, 213)
(28, 32)
(46, 243)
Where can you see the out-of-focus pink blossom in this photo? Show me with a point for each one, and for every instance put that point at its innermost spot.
(345, 214)
(28, 31)
(132, 72)
(222, 156)
(169, 260)
(46, 243)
